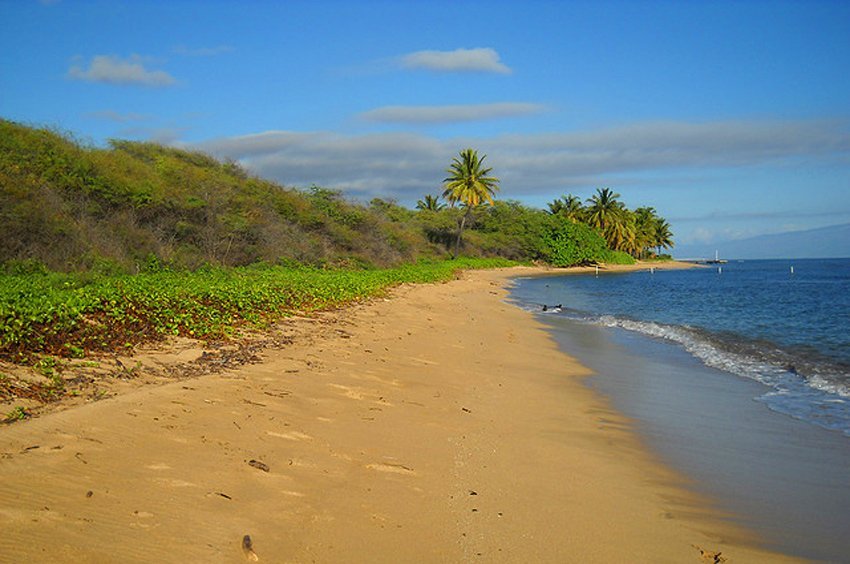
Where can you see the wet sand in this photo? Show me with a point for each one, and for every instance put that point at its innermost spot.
(440, 425)
(785, 478)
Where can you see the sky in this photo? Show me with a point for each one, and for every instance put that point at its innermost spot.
(730, 118)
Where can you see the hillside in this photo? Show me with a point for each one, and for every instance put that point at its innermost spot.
(72, 207)
(138, 206)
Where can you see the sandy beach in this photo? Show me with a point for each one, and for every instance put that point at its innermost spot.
(440, 424)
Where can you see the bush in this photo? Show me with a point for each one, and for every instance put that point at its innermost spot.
(574, 244)
(662, 257)
(617, 257)
(514, 231)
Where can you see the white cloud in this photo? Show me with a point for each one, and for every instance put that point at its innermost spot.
(406, 165)
(382, 164)
(450, 114)
(459, 60)
(114, 70)
(666, 145)
(696, 239)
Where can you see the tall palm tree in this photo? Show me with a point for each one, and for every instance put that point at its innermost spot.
(430, 203)
(621, 232)
(603, 208)
(616, 223)
(663, 235)
(646, 222)
(470, 185)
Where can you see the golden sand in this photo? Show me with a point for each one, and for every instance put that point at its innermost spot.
(440, 425)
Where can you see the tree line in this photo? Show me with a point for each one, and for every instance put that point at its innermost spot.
(640, 233)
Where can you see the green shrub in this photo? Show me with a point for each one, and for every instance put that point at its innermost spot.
(573, 244)
(514, 231)
(617, 257)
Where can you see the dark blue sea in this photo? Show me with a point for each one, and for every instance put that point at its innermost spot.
(738, 375)
(783, 323)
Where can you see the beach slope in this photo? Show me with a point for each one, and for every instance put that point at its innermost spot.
(438, 425)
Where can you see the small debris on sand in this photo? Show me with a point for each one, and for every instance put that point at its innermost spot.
(248, 549)
(259, 465)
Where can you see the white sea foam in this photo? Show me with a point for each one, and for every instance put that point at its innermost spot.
(811, 397)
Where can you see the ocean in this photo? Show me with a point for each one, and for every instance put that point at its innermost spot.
(738, 375)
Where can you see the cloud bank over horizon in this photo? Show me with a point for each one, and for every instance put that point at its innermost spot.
(450, 114)
(406, 165)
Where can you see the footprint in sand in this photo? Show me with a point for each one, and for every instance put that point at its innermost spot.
(175, 483)
(391, 468)
(291, 435)
(348, 391)
(424, 361)
(142, 522)
(158, 466)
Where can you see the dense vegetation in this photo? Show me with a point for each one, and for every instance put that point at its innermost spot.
(636, 232)
(78, 208)
(71, 315)
(121, 209)
(104, 247)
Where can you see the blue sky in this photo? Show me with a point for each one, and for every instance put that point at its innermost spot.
(732, 119)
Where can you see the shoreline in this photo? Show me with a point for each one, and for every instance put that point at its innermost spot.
(781, 476)
(441, 424)
(102, 375)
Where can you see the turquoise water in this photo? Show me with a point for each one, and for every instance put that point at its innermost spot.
(785, 324)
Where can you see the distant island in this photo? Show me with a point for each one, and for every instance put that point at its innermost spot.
(823, 242)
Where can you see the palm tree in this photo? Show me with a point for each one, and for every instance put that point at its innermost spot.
(470, 185)
(621, 233)
(646, 222)
(612, 219)
(568, 207)
(430, 203)
(663, 235)
(603, 208)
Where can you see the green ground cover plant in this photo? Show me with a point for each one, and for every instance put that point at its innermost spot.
(47, 314)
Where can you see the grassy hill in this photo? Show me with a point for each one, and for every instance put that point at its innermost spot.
(73, 207)
(135, 207)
